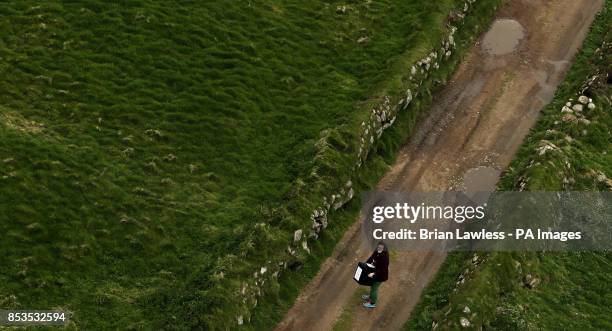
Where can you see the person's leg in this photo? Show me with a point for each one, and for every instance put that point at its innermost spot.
(374, 292)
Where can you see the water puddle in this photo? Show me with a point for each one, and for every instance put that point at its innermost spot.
(480, 179)
(503, 37)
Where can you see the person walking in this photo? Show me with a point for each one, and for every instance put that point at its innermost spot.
(380, 260)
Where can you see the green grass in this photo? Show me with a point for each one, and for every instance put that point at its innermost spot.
(152, 153)
(574, 289)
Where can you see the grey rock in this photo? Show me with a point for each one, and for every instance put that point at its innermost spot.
(577, 107)
(297, 235)
(363, 40)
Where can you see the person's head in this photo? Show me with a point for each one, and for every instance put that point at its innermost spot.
(381, 247)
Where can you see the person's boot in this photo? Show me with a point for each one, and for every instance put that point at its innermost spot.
(369, 305)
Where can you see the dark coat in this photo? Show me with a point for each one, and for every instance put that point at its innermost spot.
(381, 265)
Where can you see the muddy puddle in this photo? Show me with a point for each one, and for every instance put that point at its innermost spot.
(480, 179)
(503, 37)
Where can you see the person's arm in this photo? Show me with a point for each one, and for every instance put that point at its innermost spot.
(381, 266)
(371, 258)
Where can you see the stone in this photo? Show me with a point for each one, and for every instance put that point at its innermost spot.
(319, 223)
(240, 320)
(128, 151)
(363, 40)
(566, 109)
(465, 322)
(591, 105)
(263, 270)
(154, 133)
(350, 194)
(530, 281)
(546, 146)
(297, 235)
(169, 158)
(467, 310)
(577, 107)
(583, 99)
(568, 118)
(305, 246)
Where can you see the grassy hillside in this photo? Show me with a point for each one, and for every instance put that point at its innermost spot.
(146, 147)
(568, 290)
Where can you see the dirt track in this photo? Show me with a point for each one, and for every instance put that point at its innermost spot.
(475, 126)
